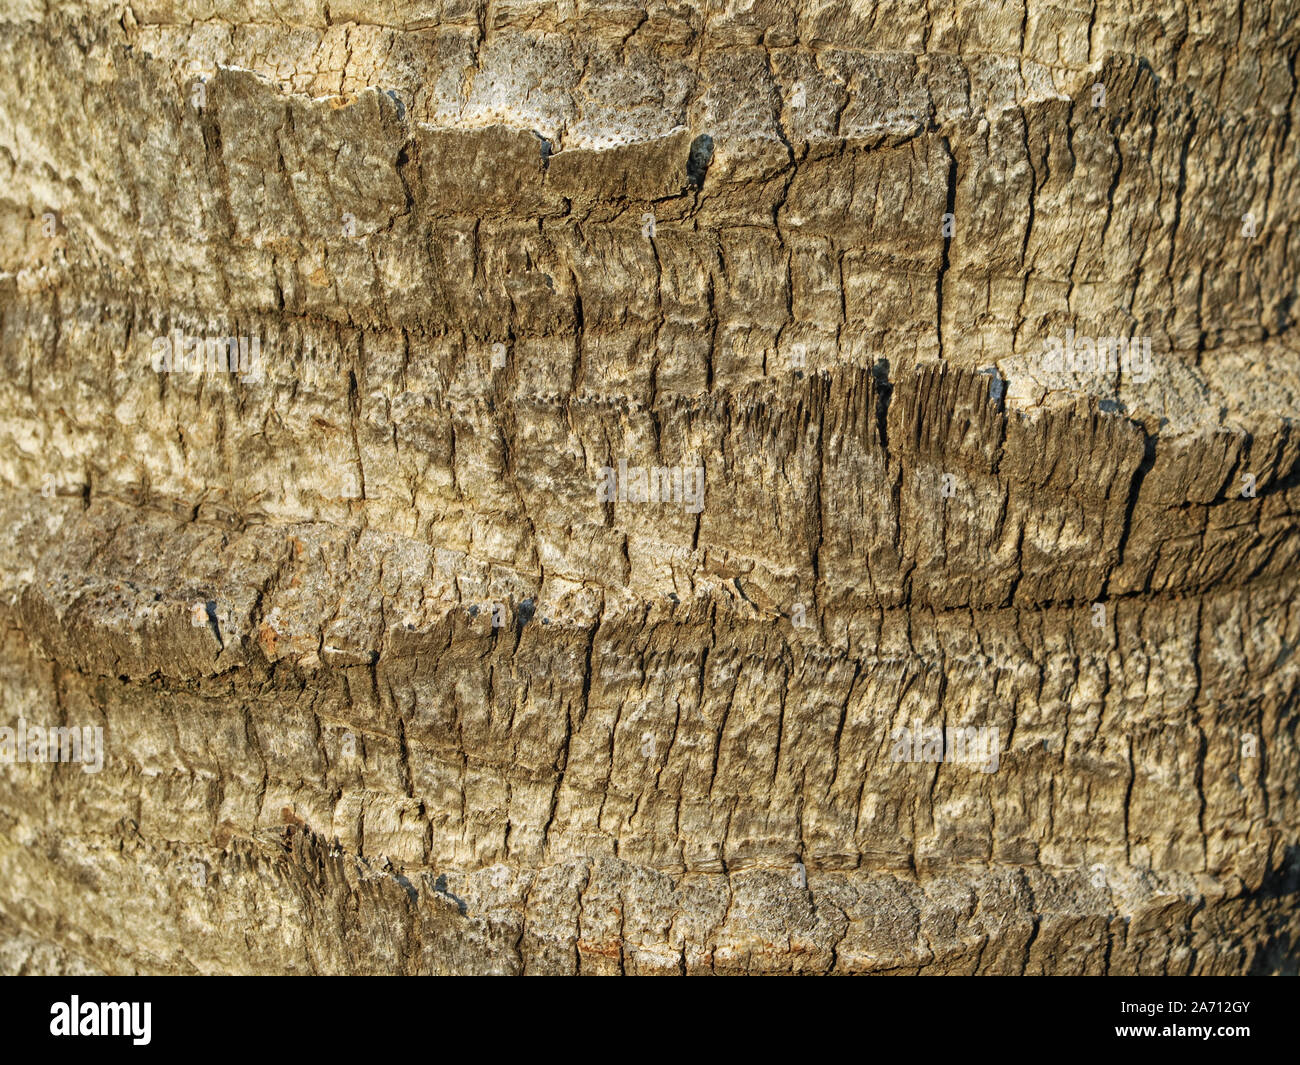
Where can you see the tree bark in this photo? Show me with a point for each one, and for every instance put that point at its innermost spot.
(649, 427)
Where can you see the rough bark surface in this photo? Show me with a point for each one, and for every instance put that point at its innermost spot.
(441, 707)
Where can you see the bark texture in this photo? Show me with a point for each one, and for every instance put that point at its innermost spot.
(386, 686)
